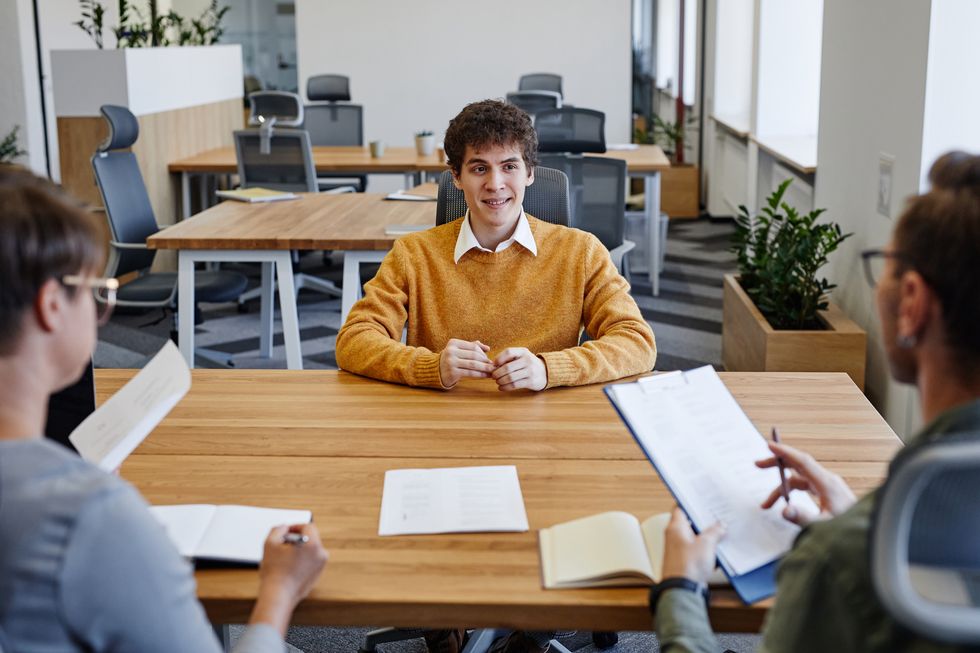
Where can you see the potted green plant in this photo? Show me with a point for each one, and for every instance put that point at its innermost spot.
(680, 185)
(9, 150)
(425, 143)
(776, 313)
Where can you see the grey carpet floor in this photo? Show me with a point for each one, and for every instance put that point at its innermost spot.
(685, 317)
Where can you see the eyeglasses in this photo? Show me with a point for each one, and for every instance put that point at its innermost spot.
(874, 264)
(103, 304)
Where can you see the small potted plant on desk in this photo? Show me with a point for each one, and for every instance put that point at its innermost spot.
(425, 143)
(776, 315)
(9, 150)
(680, 185)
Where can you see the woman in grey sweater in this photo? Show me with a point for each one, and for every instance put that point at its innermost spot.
(83, 564)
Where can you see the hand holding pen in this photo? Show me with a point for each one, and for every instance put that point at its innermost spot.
(829, 489)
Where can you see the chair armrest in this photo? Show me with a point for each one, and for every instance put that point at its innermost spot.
(617, 253)
(118, 245)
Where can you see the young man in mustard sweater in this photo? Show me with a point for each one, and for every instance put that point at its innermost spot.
(497, 294)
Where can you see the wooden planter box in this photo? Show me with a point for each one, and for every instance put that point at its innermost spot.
(680, 195)
(750, 344)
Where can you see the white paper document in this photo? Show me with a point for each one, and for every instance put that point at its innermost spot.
(119, 425)
(452, 500)
(229, 533)
(705, 448)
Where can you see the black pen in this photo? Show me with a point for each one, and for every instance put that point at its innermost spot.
(782, 468)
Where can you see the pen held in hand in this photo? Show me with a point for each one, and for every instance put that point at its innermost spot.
(782, 468)
(295, 538)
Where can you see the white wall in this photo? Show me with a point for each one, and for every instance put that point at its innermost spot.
(952, 86)
(872, 97)
(414, 65)
(734, 28)
(20, 102)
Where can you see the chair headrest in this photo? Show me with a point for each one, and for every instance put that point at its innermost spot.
(124, 128)
(328, 88)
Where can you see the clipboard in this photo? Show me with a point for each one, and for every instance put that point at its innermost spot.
(751, 586)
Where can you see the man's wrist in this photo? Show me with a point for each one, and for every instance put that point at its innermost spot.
(676, 582)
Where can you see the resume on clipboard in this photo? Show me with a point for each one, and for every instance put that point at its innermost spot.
(704, 447)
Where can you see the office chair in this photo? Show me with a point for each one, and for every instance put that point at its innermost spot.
(328, 88)
(597, 190)
(280, 159)
(540, 82)
(285, 108)
(330, 123)
(571, 129)
(131, 222)
(925, 557)
(534, 101)
(546, 199)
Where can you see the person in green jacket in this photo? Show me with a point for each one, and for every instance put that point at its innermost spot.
(928, 300)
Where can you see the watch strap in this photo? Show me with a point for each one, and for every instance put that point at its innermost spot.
(676, 582)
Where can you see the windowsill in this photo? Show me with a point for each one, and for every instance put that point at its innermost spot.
(737, 125)
(799, 152)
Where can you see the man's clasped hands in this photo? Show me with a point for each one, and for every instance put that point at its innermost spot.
(515, 368)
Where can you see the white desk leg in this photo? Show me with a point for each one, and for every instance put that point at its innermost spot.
(185, 195)
(351, 291)
(651, 191)
(185, 305)
(287, 308)
(267, 310)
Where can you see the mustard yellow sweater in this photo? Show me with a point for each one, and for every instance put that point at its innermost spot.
(506, 299)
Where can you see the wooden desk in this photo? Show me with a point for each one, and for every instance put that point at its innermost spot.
(333, 159)
(266, 232)
(323, 440)
(646, 161)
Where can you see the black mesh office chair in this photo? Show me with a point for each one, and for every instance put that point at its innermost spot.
(597, 192)
(331, 123)
(328, 88)
(546, 199)
(286, 108)
(131, 222)
(925, 556)
(571, 129)
(540, 82)
(280, 159)
(534, 101)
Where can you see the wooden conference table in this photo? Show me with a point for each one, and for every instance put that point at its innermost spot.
(267, 232)
(646, 161)
(323, 440)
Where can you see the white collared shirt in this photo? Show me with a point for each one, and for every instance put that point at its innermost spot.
(467, 239)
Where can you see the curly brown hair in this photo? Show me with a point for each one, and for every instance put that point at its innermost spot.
(490, 122)
(939, 236)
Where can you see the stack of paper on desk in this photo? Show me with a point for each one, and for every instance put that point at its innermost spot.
(119, 425)
(704, 448)
(452, 500)
(225, 533)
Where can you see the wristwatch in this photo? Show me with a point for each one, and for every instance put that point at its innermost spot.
(677, 582)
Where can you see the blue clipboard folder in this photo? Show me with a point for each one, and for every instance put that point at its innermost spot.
(673, 393)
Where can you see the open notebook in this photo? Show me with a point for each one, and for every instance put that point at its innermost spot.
(233, 534)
